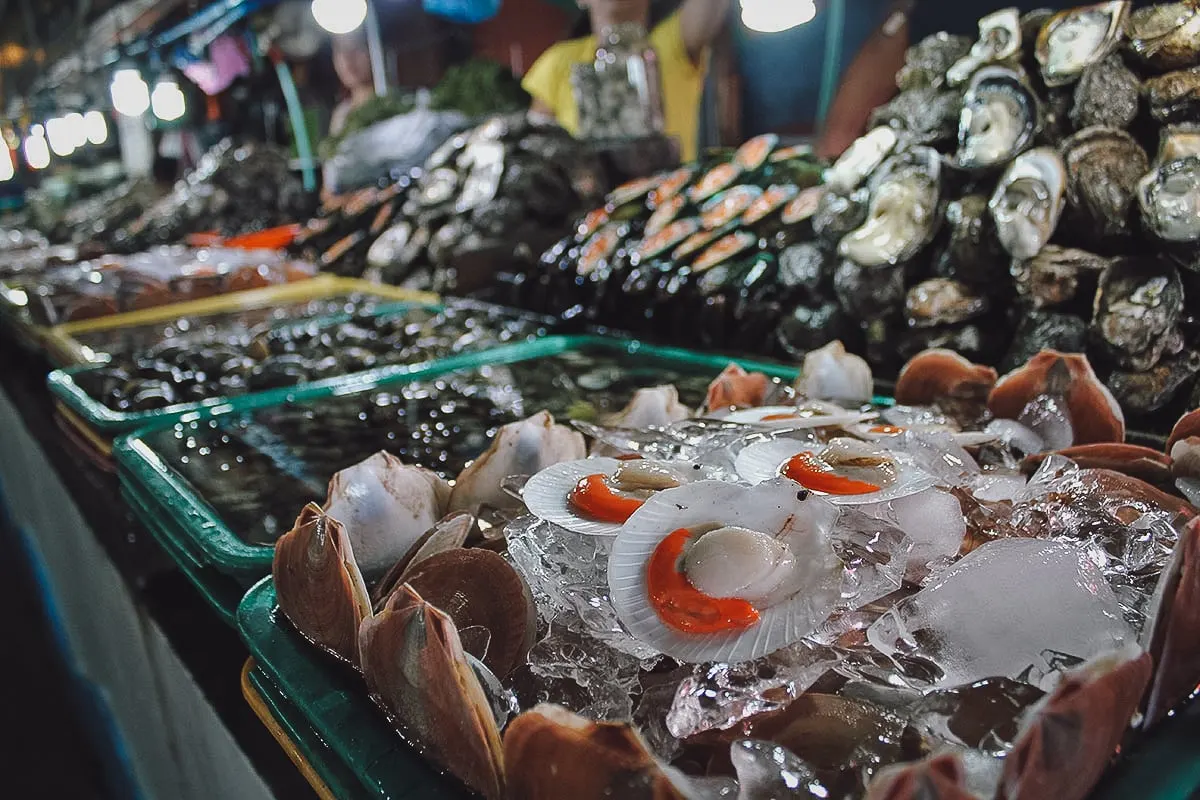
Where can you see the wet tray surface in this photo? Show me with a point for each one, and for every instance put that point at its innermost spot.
(241, 479)
(175, 377)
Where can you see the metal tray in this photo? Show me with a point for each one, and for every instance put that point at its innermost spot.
(224, 529)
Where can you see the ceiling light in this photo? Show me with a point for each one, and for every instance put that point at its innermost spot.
(167, 100)
(773, 16)
(339, 16)
(37, 151)
(96, 127)
(130, 94)
(62, 140)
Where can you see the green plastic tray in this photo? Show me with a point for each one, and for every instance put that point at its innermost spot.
(208, 535)
(333, 700)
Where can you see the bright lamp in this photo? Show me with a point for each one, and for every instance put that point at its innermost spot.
(339, 16)
(167, 100)
(37, 150)
(773, 16)
(96, 127)
(130, 94)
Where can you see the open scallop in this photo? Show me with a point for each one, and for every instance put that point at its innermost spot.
(897, 475)
(547, 494)
(765, 547)
(810, 414)
(873, 431)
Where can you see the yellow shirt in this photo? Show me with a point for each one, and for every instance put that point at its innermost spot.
(549, 80)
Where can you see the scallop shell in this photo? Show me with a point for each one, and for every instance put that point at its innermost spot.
(770, 507)
(831, 417)
(762, 461)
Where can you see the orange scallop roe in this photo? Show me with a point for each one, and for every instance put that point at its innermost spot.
(889, 430)
(682, 606)
(594, 498)
(811, 472)
(779, 417)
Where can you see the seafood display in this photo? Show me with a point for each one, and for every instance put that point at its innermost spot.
(283, 350)
(163, 275)
(700, 254)
(1035, 188)
(756, 591)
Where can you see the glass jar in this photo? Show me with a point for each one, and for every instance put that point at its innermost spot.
(619, 94)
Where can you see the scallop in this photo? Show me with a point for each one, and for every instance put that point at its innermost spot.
(999, 119)
(999, 40)
(769, 546)
(765, 461)
(1076, 39)
(546, 493)
(1028, 202)
(807, 415)
(860, 159)
(904, 211)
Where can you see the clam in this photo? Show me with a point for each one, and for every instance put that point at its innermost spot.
(551, 753)
(384, 507)
(520, 448)
(1071, 735)
(1103, 166)
(1175, 97)
(714, 571)
(942, 301)
(416, 669)
(736, 388)
(904, 212)
(1138, 304)
(1028, 201)
(1094, 414)
(861, 159)
(657, 406)
(999, 40)
(1108, 94)
(1166, 35)
(940, 777)
(926, 62)
(999, 119)
(1172, 636)
(1074, 40)
(1169, 195)
(936, 375)
(1057, 275)
(319, 585)
(450, 533)
(831, 373)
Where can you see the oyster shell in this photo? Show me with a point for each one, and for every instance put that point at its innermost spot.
(416, 669)
(1076, 39)
(1166, 35)
(1138, 303)
(999, 119)
(1028, 202)
(904, 211)
(941, 301)
(926, 115)
(1044, 330)
(861, 159)
(1104, 166)
(520, 448)
(1107, 94)
(973, 254)
(869, 293)
(999, 40)
(1169, 195)
(838, 214)
(926, 62)
(1057, 276)
(1175, 97)
(1150, 390)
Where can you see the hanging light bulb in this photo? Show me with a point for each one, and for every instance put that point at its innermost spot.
(58, 132)
(339, 16)
(7, 168)
(167, 100)
(37, 150)
(130, 94)
(78, 129)
(773, 16)
(95, 127)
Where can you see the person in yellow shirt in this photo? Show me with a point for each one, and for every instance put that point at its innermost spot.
(681, 43)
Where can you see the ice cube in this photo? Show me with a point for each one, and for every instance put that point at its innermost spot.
(937, 453)
(933, 520)
(1047, 416)
(768, 771)
(1002, 608)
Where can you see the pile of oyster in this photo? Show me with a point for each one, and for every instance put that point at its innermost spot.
(495, 195)
(1037, 187)
(981, 591)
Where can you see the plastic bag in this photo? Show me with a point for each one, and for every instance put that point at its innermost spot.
(468, 11)
(391, 147)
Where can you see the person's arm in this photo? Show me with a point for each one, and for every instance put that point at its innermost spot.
(542, 80)
(869, 82)
(701, 21)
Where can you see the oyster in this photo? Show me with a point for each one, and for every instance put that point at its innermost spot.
(868, 293)
(904, 211)
(1028, 201)
(833, 374)
(1057, 276)
(520, 448)
(416, 669)
(1175, 97)
(937, 375)
(926, 116)
(941, 301)
(1169, 195)
(1076, 39)
(1138, 304)
(926, 62)
(1108, 94)
(1150, 390)
(1104, 166)
(1095, 416)
(861, 159)
(385, 506)
(999, 119)
(999, 40)
(973, 254)
(838, 214)
(1166, 35)
(320, 587)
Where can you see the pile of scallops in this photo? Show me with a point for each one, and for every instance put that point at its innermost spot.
(978, 591)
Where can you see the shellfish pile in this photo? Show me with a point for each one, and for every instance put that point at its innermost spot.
(793, 592)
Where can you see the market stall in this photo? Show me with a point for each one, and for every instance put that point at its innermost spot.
(531, 465)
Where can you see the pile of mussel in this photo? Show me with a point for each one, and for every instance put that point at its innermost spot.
(709, 254)
(980, 592)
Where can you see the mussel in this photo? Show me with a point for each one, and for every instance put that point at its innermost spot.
(1076, 39)
(999, 119)
(1028, 201)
